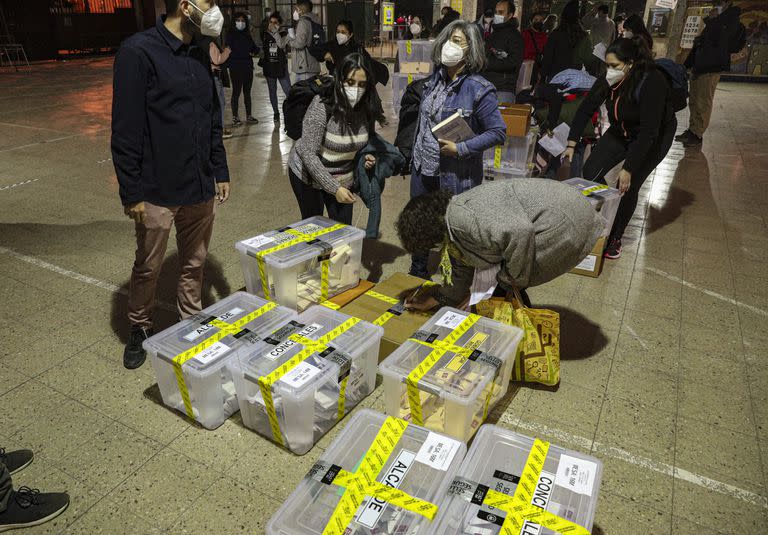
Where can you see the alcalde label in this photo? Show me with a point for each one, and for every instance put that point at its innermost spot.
(371, 510)
(197, 333)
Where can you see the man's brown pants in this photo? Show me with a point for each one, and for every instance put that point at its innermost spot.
(194, 225)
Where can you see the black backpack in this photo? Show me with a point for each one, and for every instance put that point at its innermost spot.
(298, 100)
(677, 77)
(318, 34)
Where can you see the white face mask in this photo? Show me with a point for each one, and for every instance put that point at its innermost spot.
(354, 94)
(212, 21)
(499, 19)
(614, 76)
(415, 28)
(342, 38)
(240, 25)
(296, 15)
(451, 54)
(628, 34)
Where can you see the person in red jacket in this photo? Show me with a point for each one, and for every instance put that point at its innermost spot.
(535, 38)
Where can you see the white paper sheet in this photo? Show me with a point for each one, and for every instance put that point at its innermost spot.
(556, 144)
(483, 285)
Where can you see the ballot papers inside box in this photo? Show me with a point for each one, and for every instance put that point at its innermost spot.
(190, 359)
(295, 383)
(380, 476)
(451, 372)
(508, 479)
(302, 264)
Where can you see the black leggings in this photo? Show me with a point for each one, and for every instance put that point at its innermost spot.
(242, 82)
(612, 150)
(311, 202)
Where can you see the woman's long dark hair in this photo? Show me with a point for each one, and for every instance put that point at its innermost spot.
(636, 52)
(637, 26)
(570, 24)
(337, 99)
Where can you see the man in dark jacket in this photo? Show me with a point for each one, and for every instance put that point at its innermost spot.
(504, 48)
(723, 35)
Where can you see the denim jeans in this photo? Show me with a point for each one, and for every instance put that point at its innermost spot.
(421, 185)
(506, 97)
(285, 83)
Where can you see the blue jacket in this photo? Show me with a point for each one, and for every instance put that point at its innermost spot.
(476, 97)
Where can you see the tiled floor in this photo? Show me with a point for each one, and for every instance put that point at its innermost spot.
(665, 372)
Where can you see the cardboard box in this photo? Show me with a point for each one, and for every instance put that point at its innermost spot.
(517, 118)
(415, 67)
(592, 265)
(397, 328)
(344, 298)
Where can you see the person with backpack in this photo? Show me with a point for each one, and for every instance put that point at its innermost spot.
(568, 47)
(535, 39)
(504, 49)
(723, 35)
(642, 126)
(240, 64)
(307, 34)
(337, 124)
(275, 62)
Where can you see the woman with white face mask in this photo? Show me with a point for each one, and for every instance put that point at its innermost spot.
(642, 126)
(240, 66)
(336, 126)
(417, 29)
(456, 86)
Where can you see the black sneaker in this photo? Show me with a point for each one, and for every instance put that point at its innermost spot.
(613, 251)
(29, 507)
(236, 121)
(693, 141)
(276, 117)
(251, 119)
(16, 461)
(134, 355)
(685, 135)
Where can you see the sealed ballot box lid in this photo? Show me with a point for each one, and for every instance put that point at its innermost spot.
(303, 353)
(455, 354)
(509, 479)
(221, 321)
(597, 194)
(381, 475)
(305, 240)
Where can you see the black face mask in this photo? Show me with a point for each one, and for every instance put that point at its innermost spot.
(538, 26)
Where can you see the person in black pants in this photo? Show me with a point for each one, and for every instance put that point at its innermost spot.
(642, 126)
(240, 66)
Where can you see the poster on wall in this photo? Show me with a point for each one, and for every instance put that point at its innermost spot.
(457, 5)
(387, 16)
(693, 26)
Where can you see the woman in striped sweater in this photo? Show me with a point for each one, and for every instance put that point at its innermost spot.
(336, 126)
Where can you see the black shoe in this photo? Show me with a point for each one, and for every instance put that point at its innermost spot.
(685, 135)
(236, 121)
(16, 461)
(693, 141)
(613, 251)
(134, 354)
(276, 117)
(29, 507)
(251, 119)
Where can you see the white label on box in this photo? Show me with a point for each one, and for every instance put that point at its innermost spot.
(259, 241)
(541, 496)
(588, 264)
(310, 329)
(300, 375)
(371, 510)
(438, 451)
(202, 329)
(212, 353)
(279, 350)
(451, 320)
(576, 475)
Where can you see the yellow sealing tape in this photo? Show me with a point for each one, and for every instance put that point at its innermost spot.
(330, 304)
(310, 346)
(457, 362)
(589, 191)
(410, 78)
(408, 48)
(363, 483)
(301, 237)
(439, 349)
(497, 157)
(225, 329)
(518, 506)
(384, 318)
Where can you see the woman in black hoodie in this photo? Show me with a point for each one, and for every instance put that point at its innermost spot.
(642, 126)
(240, 66)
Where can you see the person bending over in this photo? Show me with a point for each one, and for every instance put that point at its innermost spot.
(533, 230)
(642, 126)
